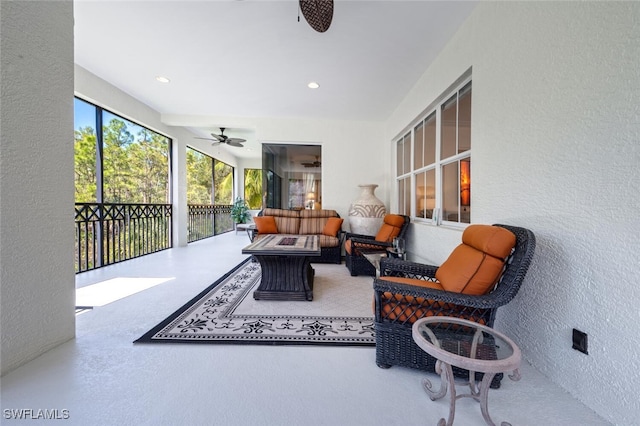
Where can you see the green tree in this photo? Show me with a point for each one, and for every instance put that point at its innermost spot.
(223, 183)
(117, 176)
(85, 165)
(253, 188)
(199, 178)
(135, 167)
(149, 159)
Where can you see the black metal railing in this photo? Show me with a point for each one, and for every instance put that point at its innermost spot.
(108, 233)
(207, 220)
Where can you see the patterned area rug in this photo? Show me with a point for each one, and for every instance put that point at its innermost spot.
(225, 312)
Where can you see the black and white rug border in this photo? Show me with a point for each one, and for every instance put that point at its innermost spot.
(256, 329)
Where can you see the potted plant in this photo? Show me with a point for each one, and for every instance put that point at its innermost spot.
(240, 211)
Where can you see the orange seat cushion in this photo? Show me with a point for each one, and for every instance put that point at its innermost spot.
(266, 224)
(332, 226)
(414, 281)
(405, 308)
(475, 265)
(398, 307)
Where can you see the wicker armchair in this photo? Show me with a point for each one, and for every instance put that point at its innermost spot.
(356, 243)
(398, 304)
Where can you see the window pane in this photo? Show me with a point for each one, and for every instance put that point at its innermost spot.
(425, 194)
(418, 136)
(399, 158)
(420, 197)
(404, 196)
(135, 162)
(464, 120)
(222, 183)
(450, 193)
(407, 197)
(448, 145)
(456, 191)
(430, 140)
(85, 152)
(465, 190)
(253, 188)
(400, 196)
(296, 194)
(407, 152)
(199, 178)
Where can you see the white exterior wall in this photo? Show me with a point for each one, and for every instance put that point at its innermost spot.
(555, 133)
(36, 179)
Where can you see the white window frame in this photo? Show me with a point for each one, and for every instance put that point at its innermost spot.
(435, 107)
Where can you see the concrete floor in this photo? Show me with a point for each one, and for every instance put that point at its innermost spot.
(101, 378)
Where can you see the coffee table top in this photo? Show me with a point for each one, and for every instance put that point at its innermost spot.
(466, 344)
(279, 244)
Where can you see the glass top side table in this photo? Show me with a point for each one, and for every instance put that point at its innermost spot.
(374, 256)
(468, 345)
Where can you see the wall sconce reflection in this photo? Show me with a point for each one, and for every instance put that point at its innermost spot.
(465, 183)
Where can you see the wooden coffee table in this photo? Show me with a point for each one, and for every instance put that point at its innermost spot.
(470, 346)
(286, 270)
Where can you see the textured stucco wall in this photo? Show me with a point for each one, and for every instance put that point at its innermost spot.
(555, 131)
(37, 285)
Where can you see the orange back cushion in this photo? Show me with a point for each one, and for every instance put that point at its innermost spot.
(475, 265)
(266, 224)
(280, 212)
(288, 225)
(390, 228)
(493, 240)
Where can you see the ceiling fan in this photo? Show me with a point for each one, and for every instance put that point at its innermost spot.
(316, 163)
(222, 138)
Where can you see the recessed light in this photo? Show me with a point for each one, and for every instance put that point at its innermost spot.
(162, 79)
(313, 85)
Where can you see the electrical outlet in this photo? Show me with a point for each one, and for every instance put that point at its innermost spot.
(580, 341)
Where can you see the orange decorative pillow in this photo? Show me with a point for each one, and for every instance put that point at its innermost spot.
(332, 226)
(266, 224)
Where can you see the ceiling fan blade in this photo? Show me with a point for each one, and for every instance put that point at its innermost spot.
(206, 139)
(220, 138)
(237, 140)
(232, 142)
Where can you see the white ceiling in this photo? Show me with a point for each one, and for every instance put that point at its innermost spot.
(254, 59)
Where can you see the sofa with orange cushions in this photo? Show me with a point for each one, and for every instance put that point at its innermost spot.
(325, 223)
(483, 273)
(393, 225)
